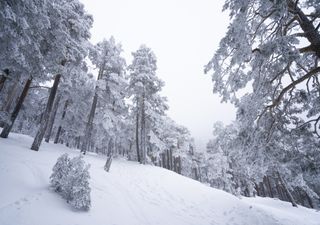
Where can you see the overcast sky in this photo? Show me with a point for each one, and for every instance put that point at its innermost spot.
(184, 35)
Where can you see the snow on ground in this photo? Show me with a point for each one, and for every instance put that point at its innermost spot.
(131, 194)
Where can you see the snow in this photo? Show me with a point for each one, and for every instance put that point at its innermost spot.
(131, 194)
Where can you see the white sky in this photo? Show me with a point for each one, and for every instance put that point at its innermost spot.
(184, 35)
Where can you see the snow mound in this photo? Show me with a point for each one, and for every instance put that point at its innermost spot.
(131, 194)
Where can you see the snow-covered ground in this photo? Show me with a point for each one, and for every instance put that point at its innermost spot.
(131, 194)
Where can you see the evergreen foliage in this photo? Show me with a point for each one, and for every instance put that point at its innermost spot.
(70, 178)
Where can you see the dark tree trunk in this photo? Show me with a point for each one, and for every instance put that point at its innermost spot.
(269, 186)
(137, 137)
(44, 123)
(14, 89)
(310, 31)
(88, 130)
(280, 193)
(168, 160)
(257, 189)
(143, 133)
(175, 164)
(89, 125)
(309, 201)
(196, 173)
(108, 163)
(3, 79)
(52, 118)
(294, 204)
(179, 165)
(7, 128)
(77, 142)
(163, 160)
(263, 193)
(171, 159)
(56, 139)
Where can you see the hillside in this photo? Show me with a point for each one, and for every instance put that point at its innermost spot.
(131, 194)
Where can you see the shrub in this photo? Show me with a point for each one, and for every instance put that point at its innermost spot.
(70, 178)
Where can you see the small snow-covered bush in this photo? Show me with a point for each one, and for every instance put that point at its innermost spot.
(70, 178)
(60, 172)
(77, 184)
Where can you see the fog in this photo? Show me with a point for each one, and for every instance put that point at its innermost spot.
(184, 35)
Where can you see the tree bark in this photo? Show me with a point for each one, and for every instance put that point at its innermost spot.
(7, 128)
(52, 118)
(44, 123)
(6, 107)
(309, 201)
(294, 204)
(108, 163)
(307, 26)
(3, 79)
(137, 137)
(168, 160)
(143, 132)
(56, 139)
(163, 160)
(269, 186)
(257, 189)
(88, 130)
(179, 165)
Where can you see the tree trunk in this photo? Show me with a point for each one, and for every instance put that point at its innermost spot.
(257, 189)
(137, 137)
(168, 160)
(143, 133)
(87, 133)
(3, 79)
(44, 123)
(171, 159)
(14, 89)
(269, 186)
(89, 125)
(7, 128)
(310, 31)
(309, 201)
(52, 118)
(56, 139)
(179, 165)
(294, 204)
(163, 160)
(263, 193)
(108, 163)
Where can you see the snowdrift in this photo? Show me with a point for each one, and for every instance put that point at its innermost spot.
(131, 194)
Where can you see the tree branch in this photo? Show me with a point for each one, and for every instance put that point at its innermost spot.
(292, 85)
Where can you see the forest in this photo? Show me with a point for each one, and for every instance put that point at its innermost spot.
(266, 65)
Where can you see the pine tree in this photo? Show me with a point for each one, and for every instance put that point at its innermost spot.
(144, 86)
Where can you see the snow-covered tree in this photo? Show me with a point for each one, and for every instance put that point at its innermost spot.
(23, 24)
(271, 52)
(144, 86)
(109, 94)
(274, 47)
(66, 44)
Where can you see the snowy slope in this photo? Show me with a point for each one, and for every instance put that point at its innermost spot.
(131, 194)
